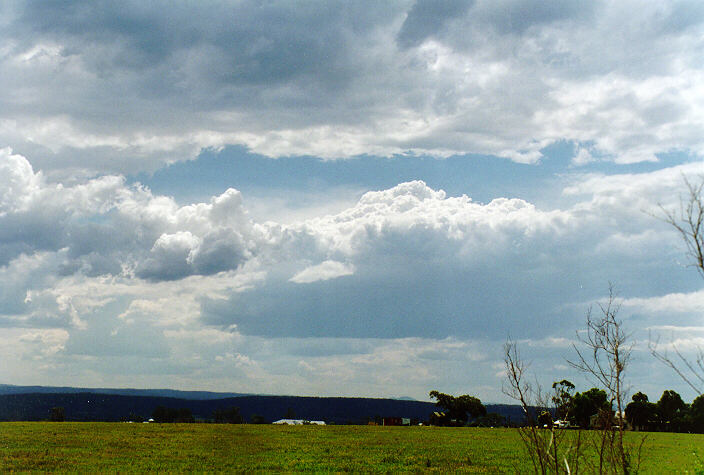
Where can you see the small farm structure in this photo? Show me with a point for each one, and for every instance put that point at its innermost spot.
(396, 421)
(298, 422)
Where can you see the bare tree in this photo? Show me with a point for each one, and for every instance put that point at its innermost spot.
(604, 355)
(605, 358)
(551, 449)
(691, 373)
(689, 223)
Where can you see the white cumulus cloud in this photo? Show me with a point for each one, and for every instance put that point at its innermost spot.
(324, 271)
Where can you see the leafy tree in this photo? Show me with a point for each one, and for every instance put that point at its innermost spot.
(672, 410)
(457, 408)
(184, 415)
(639, 397)
(696, 414)
(670, 406)
(562, 398)
(492, 419)
(132, 417)
(58, 414)
(545, 419)
(587, 404)
(228, 416)
(640, 413)
(160, 414)
(257, 419)
(169, 414)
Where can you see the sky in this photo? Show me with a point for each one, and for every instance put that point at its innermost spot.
(343, 198)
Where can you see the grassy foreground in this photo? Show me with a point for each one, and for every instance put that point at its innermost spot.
(83, 447)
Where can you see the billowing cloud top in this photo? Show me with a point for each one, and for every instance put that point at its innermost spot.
(106, 227)
(108, 272)
(146, 84)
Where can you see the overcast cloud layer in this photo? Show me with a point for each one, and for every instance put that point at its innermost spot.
(361, 291)
(90, 88)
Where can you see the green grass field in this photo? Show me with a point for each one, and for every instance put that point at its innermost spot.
(90, 447)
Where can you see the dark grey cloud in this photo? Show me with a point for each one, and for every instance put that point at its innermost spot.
(517, 16)
(221, 250)
(428, 17)
(24, 300)
(180, 255)
(681, 15)
(423, 301)
(235, 43)
(100, 87)
(427, 296)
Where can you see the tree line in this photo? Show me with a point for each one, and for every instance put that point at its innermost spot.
(230, 415)
(584, 410)
(670, 413)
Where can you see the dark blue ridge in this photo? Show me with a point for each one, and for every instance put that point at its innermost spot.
(92, 406)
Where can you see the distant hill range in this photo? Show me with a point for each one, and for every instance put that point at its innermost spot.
(34, 403)
(11, 389)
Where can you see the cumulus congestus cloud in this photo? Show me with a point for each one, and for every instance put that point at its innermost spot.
(113, 278)
(105, 227)
(411, 261)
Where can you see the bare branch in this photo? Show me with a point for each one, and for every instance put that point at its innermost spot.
(549, 448)
(605, 358)
(689, 223)
(664, 358)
